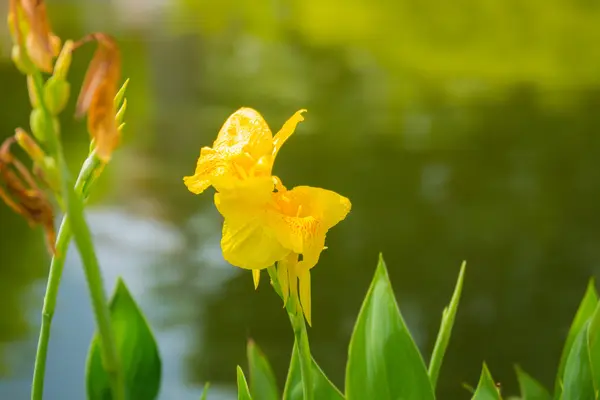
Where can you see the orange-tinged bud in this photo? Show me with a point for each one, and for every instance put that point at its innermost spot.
(42, 45)
(32, 35)
(27, 143)
(98, 93)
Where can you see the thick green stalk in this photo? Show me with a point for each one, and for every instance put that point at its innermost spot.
(90, 169)
(85, 246)
(301, 335)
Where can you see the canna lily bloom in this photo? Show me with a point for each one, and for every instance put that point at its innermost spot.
(20, 192)
(245, 148)
(288, 228)
(98, 92)
(31, 30)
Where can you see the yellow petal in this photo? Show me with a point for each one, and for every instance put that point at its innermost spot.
(282, 277)
(301, 218)
(245, 131)
(243, 148)
(256, 277)
(250, 246)
(286, 131)
(292, 275)
(304, 278)
(208, 164)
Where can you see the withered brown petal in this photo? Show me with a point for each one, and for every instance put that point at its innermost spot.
(21, 193)
(98, 91)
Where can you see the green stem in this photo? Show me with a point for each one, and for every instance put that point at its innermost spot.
(90, 169)
(83, 240)
(300, 334)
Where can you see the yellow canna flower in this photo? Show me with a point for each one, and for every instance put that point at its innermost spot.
(245, 148)
(288, 227)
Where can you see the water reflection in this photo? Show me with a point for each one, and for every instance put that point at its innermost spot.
(501, 173)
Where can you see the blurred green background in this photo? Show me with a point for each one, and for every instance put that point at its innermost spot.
(459, 130)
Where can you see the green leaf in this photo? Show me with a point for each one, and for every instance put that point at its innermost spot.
(530, 388)
(441, 343)
(262, 380)
(584, 313)
(243, 391)
(486, 388)
(593, 340)
(140, 360)
(383, 360)
(578, 383)
(323, 389)
(205, 391)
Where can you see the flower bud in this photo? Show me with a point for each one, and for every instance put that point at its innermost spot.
(33, 98)
(120, 96)
(22, 61)
(56, 94)
(121, 113)
(30, 147)
(63, 62)
(38, 124)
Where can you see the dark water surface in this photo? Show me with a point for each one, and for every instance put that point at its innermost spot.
(499, 166)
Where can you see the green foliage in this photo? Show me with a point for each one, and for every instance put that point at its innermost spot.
(584, 312)
(139, 357)
(448, 315)
(383, 360)
(577, 379)
(262, 380)
(593, 341)
(323, 389)
(530, 388)
(486, 389)
(205, 391)
(243, 391)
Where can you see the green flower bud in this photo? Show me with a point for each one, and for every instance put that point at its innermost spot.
(38, 124)
(56, 94)
(22, 61)
(121, 113)
(121, 94)
(63, 62)
(33, 98)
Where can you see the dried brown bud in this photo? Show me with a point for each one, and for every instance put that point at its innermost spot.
(20, 192)
(98, 93)
(31, 30)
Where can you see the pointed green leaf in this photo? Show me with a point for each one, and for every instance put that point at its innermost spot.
(205, 391)
(441, 343)
(263, 384)
(243, 391)
(140, 360)
(383, 360)
(530, 388)
(577, 380)
(584, 312)
(594, 348)
(486, 388)
(323, 389)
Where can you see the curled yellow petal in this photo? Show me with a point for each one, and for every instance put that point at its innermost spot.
(244, 149)
(304, 284)
(256, 277)
(286, 131)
